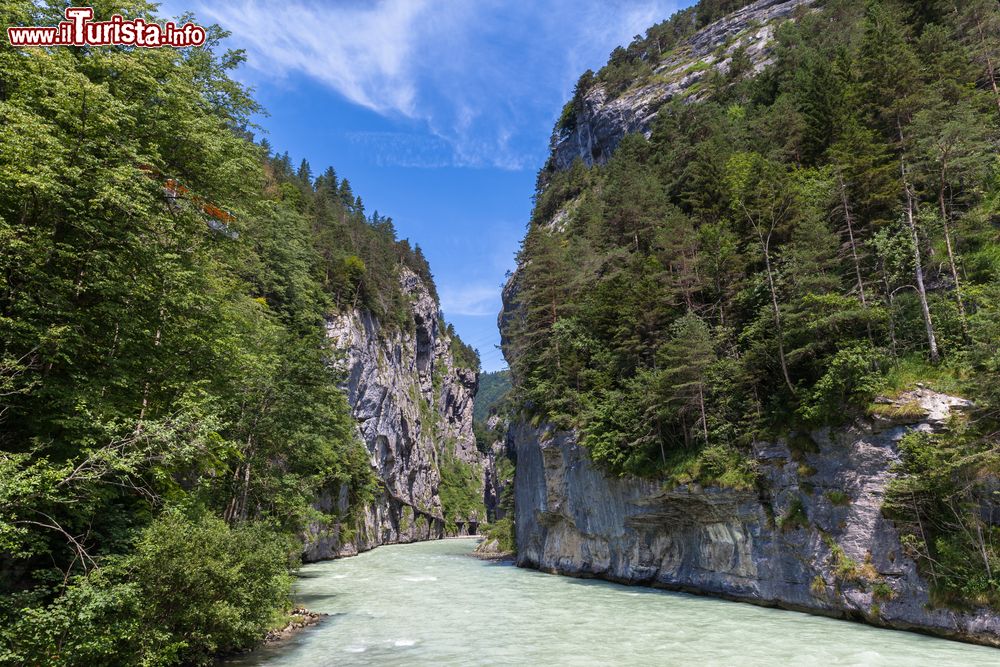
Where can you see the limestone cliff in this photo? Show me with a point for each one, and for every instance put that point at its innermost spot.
(603, 121)
(812, 538)
(413, 406)
(499, 477)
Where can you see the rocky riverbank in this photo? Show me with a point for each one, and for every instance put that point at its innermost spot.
(811, 538)
(298, 620)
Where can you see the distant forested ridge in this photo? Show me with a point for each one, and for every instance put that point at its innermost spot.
(168, 408)
(493, 388)
(775, 256)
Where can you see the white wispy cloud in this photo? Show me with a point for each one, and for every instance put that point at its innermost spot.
(404, 149)
(485, 77)
(364, 52)
(470, 300)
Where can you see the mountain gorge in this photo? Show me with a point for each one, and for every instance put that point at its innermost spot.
(753, 339)
(751, 332)
(413, 404)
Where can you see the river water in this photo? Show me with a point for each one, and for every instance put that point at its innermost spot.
(432, 604)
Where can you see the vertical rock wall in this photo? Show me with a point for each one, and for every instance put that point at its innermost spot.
(413, 406)
(812, 537)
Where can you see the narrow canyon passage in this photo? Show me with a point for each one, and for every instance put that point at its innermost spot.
(432, 603)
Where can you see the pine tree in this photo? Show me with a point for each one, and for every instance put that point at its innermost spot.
(633, 198)
(866, 188)
(890, 83)
(346, 194)
(760, 197)
(820, 98)
(684, 361)
(304, 174)
(951, 151)
(981, 20)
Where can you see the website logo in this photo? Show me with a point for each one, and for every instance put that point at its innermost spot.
(80, 30)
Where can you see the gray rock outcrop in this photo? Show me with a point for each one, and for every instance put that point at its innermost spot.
(413, 405)
(815, 539)
(602, 122)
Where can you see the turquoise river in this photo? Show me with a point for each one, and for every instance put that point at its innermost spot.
(433, 604)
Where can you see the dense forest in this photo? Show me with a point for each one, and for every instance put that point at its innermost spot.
(168, 405)
(493, 388)
(776, 256)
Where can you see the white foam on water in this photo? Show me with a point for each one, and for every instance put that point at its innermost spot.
(405, 642)
(425, 577)
(355, 649)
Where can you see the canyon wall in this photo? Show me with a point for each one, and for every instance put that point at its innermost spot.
(413, 406)
(812, 534)
(812, 537)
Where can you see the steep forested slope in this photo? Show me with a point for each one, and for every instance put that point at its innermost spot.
(752, 233)
(169, 404)
(493, 388)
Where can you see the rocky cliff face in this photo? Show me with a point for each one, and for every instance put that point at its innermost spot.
(602, 122)
(413, 406)
(813, 539)
(499, 469)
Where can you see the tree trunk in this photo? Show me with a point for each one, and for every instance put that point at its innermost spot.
(701, 404)
(765, 245)
(923, 536)
(951, 257)
(892, 318)
(246, 489)
(919, 271)
(850, 236)
(554, 319)
(777, 315)
(230, 514)
(854, 254)
(659, 436)
(989, 62)
(917, 262)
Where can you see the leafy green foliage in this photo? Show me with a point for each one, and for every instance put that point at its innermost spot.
(188, 591)
(151, 363)
(795, 517)
(502, 531)
(938, 500)
(851, 378)
(464, 355)
(460, 490)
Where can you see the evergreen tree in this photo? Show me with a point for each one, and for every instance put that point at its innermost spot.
(685, 360)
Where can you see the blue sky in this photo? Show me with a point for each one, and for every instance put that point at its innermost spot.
(438, 112)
